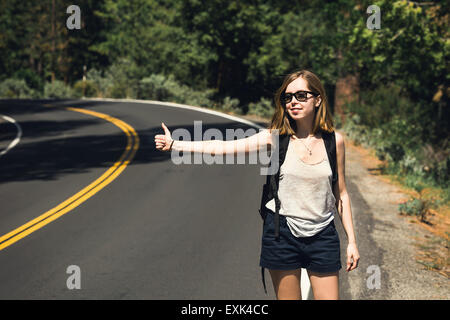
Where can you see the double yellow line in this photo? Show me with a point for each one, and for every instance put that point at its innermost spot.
(74, 201)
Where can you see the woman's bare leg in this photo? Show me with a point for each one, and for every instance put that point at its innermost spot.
(286, 284)
(325, 286)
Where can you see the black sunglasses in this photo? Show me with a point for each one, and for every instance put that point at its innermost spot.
(301, 96)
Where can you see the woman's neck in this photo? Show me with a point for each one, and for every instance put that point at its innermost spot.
(304, 132)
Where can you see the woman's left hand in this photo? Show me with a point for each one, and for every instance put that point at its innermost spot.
(352, 256)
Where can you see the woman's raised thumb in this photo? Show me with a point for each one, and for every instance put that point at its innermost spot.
(166, 130)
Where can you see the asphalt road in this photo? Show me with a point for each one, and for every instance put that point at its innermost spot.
(157, 231)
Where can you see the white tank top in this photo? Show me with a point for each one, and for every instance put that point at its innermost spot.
(305, 194)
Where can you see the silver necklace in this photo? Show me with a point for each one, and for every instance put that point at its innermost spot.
(309, 150)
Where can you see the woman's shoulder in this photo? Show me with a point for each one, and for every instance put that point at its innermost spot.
(338, 135)
(266, 135)
(339, 139)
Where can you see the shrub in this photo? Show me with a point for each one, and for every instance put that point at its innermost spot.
(32, 80)
(420, 206)
(100, 81)
(396, 128)
(85, 88)
(120, 80)
(16, 88)
(231, 105)
(162, 88)
(196, 98)
(262, 108)
(58, 89)
(413, 207)
(123, 79)
(157, 87)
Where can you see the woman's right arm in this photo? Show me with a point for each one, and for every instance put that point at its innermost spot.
(215, 147)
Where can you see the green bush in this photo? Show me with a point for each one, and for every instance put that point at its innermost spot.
(32, 80)
(85, 88)
(420, 206)
(123, 79)
(413, 207)
(120, 80)
(16, 88)
(231, 105)
(157, 87)
(262, 108)
(162, 88)
(357, 132)
(119, 90)
(58, 89)
(398, 130)
(196, 98)
(100, 81)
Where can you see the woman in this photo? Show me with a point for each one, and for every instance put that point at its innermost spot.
(307, 236)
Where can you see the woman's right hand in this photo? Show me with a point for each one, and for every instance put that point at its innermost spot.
(163, 141)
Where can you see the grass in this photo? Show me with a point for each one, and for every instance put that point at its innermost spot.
(433, 254)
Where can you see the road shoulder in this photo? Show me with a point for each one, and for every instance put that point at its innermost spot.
(396, 237)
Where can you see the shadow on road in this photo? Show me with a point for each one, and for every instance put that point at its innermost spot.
(50, 149)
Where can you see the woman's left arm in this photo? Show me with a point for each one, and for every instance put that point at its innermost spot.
(343, 205)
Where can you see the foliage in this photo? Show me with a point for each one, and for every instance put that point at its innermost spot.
(123, 76)
(406, 44)
(162, 88)
(230, 105)
(399, 135)
(262, 108)
(58, 90)
(233, 55)
(15, 88)
(157, 87)
(85, 89)
(100, 81)
(415, 207)
(32, 80)
(418, 206)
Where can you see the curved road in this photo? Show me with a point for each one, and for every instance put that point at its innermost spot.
(156, 231)
(84, 192)
(85, 187)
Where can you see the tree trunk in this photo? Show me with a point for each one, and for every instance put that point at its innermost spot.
(53, 22)
(347, 90)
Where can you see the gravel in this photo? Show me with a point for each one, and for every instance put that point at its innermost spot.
(386, 241)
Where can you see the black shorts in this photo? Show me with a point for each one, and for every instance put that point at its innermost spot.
(318, 253)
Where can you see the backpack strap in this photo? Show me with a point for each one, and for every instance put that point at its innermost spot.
(275, 180)
(330, 145)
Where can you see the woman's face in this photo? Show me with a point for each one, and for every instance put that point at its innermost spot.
(301, 109)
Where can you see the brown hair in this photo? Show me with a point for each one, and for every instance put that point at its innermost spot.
(322, 116)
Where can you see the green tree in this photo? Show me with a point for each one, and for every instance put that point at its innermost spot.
(230, 31)
(410, 51)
